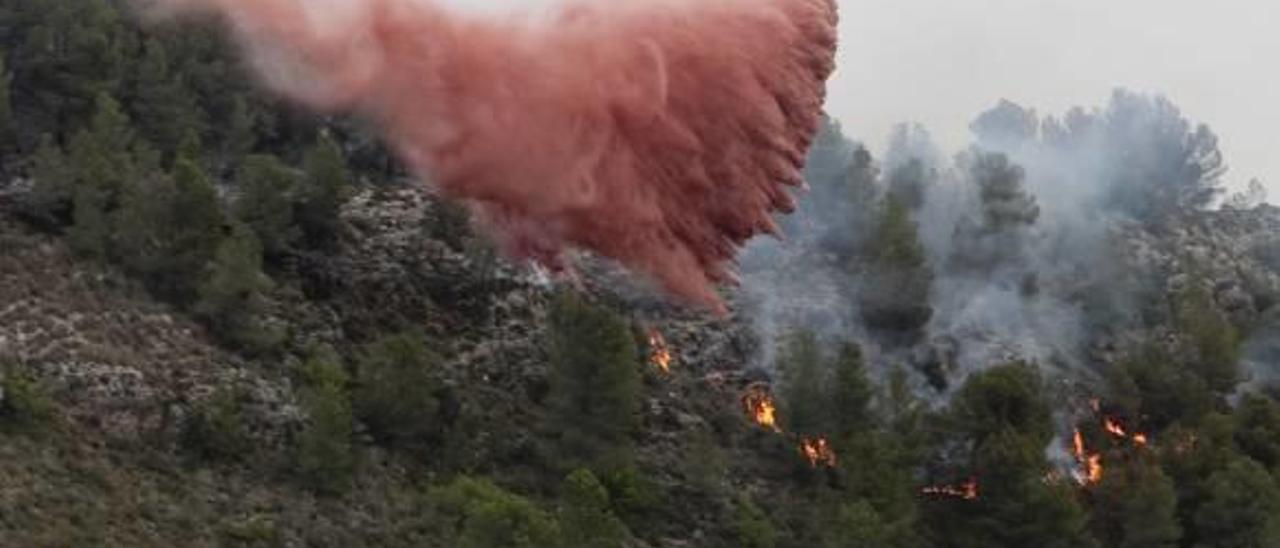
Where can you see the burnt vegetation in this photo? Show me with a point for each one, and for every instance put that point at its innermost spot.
(228, 323)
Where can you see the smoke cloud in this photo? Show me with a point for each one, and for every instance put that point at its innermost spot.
(660, 133)
(1031, 241)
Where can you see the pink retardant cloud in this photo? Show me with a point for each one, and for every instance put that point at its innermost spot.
(660, 133)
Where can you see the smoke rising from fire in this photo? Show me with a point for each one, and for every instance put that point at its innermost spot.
(1036, 240)
(661, 133)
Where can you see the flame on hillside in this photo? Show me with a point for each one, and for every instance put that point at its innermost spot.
(1116, 429)
(659, 352)
(758, 402)
(1090, 462)
(1090, 472)
(964, 491)
(818, 452)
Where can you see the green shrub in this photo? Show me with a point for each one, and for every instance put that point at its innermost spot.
(585, 514)
(215, 431)
(475, 513)
(753, 526)
(397, 390)
(23, 401)
(324, 453)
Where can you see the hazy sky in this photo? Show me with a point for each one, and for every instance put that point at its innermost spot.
(941, 62)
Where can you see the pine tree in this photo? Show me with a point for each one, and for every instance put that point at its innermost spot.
(595, 380)
(326, 186)
(806, 402)
(264, 203)
(1213, 340)
(855, 524)
(397, 389)
(164, 109)
(1241, 508)
(195, 222)
(143, 226)
(895, 297)
(1006, 213)
(325, 455)
(1005, 398)
(101, 157)
(231, 298)
(851, 393)
(1136, 507)
(1257, 430)
(1002, 417)
(585, 517)
(754, 528)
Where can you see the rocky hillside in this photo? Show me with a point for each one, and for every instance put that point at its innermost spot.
(127, 375)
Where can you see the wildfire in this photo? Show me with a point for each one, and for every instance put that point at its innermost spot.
(818, 452)
(1090, 463)
(1115, 428)
(760, 407)
(966, 491)
(659, 352)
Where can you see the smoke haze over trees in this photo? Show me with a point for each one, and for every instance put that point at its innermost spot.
(227, 322)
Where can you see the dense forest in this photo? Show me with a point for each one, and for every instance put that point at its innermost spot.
(228, 322)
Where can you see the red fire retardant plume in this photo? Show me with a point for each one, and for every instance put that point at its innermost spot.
(661, 133)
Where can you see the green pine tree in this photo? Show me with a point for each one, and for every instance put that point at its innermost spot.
(754, 529)
(397, 390)
(264, 202)
(895, 297)
(163, 107)
(595, 380)
(806, 403)
(852, 393)
(232, 297)
(1136, 506)
(326, 186)
(585, 517)
(1241, 508)
(326, 458)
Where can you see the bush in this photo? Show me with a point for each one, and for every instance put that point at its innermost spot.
(23, 402)
(475, 513)
(753, 526)
(215, 431)
(633, 496)
(397, 392)
(324, 452)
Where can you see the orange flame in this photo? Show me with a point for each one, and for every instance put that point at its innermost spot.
(1113, 427)
(659, 352)
(760, 407)
(818, 452)
(1090, 463)
(966, 491)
